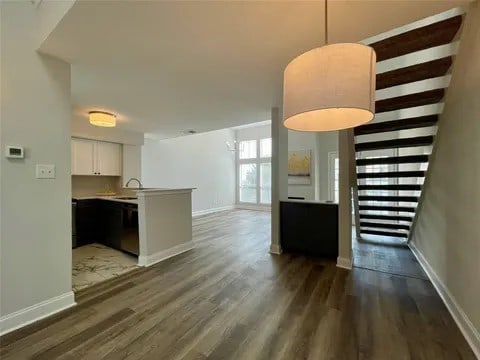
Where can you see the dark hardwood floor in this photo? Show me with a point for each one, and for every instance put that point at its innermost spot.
(230, 299)
(386, 254)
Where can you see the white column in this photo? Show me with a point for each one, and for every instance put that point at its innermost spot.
(344, 259)
(279, 175)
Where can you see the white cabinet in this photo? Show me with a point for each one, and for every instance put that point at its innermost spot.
(90, 157)
(83, 157)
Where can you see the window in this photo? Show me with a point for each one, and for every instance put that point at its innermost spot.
(248, 149)
(255, 172)
(266, 183)
(333, 169)
(378, 168)
(336, 180)
(266, 148)
(248, 183)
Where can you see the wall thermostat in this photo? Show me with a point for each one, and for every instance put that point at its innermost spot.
(15, 152)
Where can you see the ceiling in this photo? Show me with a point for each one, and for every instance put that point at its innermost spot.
(165, 67)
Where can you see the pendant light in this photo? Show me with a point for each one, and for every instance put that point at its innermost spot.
(330, 88)
(102, 118)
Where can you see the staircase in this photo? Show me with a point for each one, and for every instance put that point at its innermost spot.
(392, 153)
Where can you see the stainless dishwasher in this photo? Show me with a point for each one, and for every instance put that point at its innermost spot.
(129, 240)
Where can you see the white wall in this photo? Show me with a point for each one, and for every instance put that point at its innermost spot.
(447, 230)
(201, 161)
(304, 141)
(35, 263)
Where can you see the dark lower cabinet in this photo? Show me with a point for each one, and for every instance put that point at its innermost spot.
(86, 218)
(114, 224)
(110, 223)
(309, 228)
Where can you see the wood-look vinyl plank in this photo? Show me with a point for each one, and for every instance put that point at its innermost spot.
(255, 308)
(230, 299)
(80, 338)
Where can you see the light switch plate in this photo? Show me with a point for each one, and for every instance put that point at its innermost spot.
(45, 171)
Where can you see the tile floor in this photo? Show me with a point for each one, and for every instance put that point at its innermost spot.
(95, 263)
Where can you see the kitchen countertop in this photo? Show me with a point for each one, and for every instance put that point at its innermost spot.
(131, 193)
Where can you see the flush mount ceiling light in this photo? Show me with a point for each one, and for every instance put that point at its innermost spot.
(102, 118)
(330, 88)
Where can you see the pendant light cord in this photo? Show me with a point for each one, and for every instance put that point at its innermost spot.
(326, 22)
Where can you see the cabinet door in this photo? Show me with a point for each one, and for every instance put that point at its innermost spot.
(108, 156)
(87, 222)
(83, 154)
(111, 223)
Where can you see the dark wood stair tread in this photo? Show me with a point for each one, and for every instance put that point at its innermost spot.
(390, 174)
(384, 225)
(384, 233)
(411, 100)
(397, 187)
(425, 37)
(417, 72)
(388, 198)
(396, 125)
(409, 159)
(395, 143)
(387, 208)
(386, 217)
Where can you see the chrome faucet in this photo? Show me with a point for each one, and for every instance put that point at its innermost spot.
(140, 186)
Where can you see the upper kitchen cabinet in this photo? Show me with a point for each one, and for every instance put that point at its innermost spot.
(90, 157)
(83, 157)
(109, 158)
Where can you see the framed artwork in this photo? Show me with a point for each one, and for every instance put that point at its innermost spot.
(299, 167)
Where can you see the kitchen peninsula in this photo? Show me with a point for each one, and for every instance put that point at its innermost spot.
(165, 223)
(153, 224)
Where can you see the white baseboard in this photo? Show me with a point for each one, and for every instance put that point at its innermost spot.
(471, 334)
(164, 254)
(212, 210)
(31, 314)
(345, 263)
(275, 249)
(253, 207)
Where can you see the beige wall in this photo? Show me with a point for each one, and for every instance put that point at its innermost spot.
(35, 263)
(132, 163)
(304, 141)
(326, 142)
(447, 232)
(83, 129)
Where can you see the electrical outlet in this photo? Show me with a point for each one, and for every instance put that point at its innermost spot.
(45, 171)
